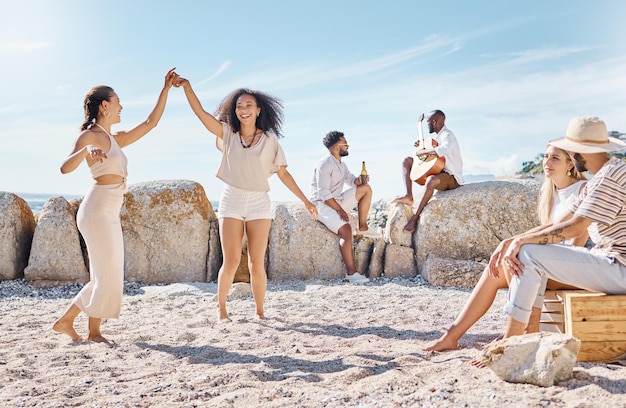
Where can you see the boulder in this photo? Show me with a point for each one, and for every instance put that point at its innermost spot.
(469, 222)
(56, 257)
(300, 247)
(377, 260)
(166, 232)
(452, 272)
(399, 262)
(542, 359)
(399, 215)
(17, 225)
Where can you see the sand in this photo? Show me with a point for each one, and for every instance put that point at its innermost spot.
(325, 344)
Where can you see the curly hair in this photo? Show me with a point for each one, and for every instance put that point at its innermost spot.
(91, 104)
(332, 138)
(270, 118)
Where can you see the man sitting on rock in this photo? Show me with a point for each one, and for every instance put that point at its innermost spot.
(333, 204)
(600, 209)
(444, 145)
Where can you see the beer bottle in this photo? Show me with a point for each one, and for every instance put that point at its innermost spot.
(363, 174)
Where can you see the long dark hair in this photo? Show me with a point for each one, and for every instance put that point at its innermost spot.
(270, 118)
(92, 102)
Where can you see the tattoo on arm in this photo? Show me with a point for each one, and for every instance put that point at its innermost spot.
(553, 237)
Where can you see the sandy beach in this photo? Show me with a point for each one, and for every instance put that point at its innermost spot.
(324, 344)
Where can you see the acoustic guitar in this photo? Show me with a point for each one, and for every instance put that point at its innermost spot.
(425, 165)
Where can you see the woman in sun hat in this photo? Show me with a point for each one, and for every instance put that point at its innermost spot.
(561, 185)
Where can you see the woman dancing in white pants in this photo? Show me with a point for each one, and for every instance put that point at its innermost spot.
(98, 217)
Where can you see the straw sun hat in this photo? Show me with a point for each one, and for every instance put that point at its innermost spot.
(587, 134)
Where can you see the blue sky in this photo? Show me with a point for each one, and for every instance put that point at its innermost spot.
(508, 75)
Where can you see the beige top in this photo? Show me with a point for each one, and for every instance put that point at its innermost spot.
(115, 163)
(248, 169)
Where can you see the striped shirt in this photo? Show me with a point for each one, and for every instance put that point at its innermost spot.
(603, 201)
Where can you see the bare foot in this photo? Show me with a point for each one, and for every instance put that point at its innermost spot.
(223, 317)
(99, 338)
(443, 343)
(408, 200)
(476, 363)
(412, 224)
(261, 316)
(66, 327)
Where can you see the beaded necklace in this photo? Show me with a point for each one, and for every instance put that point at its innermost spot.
(251, 142)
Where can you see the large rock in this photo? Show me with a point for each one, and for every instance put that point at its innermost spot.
(399, 215)
(17, 225)
(542, 359)
(399, 262)
(56, 257)
(166, 232)
(469, 222)
(302, 248)
(452, 272)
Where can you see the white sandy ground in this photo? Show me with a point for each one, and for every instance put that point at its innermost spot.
(326, 344)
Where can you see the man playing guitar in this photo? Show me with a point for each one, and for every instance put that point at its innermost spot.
(425, 170)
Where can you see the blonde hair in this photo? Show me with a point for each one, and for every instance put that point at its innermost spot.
(548, 190)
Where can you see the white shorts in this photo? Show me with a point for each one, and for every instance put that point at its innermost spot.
(330, 217)
(244, 205)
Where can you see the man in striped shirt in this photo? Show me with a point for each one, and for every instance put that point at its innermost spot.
(538, 255)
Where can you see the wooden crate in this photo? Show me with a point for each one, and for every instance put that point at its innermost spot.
(598, 320)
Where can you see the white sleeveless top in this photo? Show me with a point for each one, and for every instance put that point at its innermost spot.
(115, 163)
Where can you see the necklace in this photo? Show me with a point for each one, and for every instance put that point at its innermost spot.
(241, 140)
(103, 129)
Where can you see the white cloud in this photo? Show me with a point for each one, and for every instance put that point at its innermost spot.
(17, 47)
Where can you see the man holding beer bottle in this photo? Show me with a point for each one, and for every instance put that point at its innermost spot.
(333, 204)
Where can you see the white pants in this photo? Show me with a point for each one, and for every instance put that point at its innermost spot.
(98, 220)
(330, 217)
(575, 266)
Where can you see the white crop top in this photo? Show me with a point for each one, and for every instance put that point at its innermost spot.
(115, 163)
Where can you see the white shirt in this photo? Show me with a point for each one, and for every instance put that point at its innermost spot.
(249, 168)
(450, 150)
(328, 179)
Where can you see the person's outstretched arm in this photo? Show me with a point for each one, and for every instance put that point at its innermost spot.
(128, 137)
(291, 184)
(209, 121)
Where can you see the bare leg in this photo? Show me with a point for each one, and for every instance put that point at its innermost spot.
(65, 324)
(514, 328)
(364, 197)
(534, 321)
(231, 235)
(94, 331)
(345, 247)
(258, 233)
(432, 182)
(477, 305)
(408, 183)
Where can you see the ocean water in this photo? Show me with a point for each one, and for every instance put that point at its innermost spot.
(36, 201)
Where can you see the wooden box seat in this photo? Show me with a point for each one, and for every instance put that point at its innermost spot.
(596, 319)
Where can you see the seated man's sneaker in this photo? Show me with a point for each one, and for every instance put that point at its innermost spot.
(356, 278)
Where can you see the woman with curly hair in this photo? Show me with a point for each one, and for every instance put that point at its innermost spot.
(247, 125)
(562, 183)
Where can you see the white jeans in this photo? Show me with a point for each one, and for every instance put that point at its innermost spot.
(575, 266)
